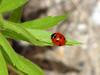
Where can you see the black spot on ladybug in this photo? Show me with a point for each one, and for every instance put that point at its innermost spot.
(60, 37)
(64, 38)
(57, 41)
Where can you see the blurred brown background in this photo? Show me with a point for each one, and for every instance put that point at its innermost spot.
(83, 25)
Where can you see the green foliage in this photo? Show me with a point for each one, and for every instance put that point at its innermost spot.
(8, 5)
(30, 31)
(16, 15)
(19, 62)
(3, 66)
(44, 23)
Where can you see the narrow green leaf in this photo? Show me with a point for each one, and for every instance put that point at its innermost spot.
(7, 59)
(31, 65)
(13, 35)
(71, 42)
(44, 23)
(16, 15)
(3, 66)
(8, 49)
(17, 62)
(46, 37)
(8, 5)
(36, 37)
(21, 31)
(41, 36)
(9, 62)
(0, 1)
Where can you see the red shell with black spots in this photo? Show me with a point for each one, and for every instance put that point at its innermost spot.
(58, 39)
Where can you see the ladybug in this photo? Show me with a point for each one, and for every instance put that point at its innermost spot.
(58, 39)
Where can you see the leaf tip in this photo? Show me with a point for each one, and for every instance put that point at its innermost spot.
(73, 42)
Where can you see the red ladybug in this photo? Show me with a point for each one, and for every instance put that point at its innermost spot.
(58, 39)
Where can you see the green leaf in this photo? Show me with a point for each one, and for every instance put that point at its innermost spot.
(8, 49)
(17, 61)
(71, 42)
(41, 36)
(36, 70)
(44, 23)
(36, 36)
(8, 5)
(21, 31)
(45, 36)
(9, 63)
(16, 15)
(13, 35)
(7, 59)
(3, 66)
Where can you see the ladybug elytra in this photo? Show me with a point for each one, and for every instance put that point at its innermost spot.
(58, 39)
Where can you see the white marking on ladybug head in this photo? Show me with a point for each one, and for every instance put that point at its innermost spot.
(58, 39)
